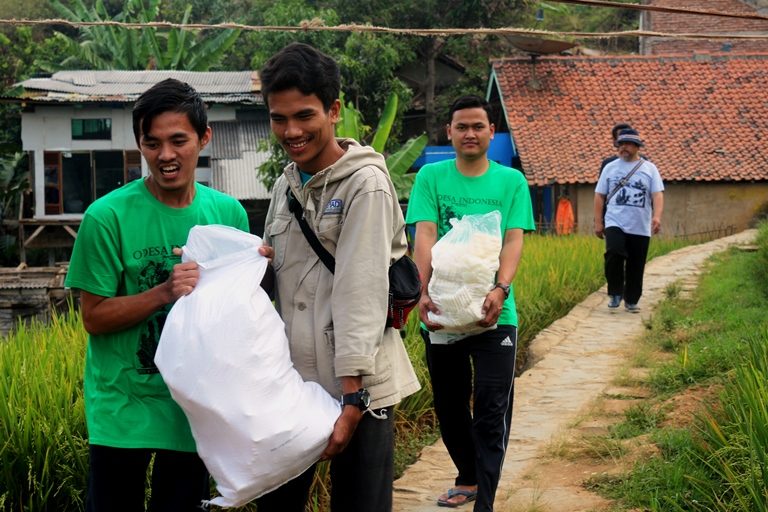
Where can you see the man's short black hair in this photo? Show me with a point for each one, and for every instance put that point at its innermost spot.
(305, 68)
(470, 101)
(170, 95)
(617, 128)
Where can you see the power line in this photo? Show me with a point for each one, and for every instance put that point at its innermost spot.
(318, 26)
(659, 8)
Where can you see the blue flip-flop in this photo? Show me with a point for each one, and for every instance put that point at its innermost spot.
(469, 495)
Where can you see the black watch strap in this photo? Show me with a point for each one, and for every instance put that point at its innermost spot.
(504, 288)
(360, 398)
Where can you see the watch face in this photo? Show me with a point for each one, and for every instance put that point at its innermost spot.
(365, 397)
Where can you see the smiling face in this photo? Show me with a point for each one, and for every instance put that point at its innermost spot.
(470, 133)
(171, 149)
(305, 129)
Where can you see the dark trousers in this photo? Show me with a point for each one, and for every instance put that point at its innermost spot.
(625, 256)
(117, 479)
(361, 475)
(476, 439)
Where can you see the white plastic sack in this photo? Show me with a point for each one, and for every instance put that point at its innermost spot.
(464, 265)
(224, 355)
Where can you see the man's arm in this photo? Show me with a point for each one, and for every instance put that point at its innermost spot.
(346, 424)
(426, 238)
(599, 219)
(104, 315)
(509, 259)
(658, 209)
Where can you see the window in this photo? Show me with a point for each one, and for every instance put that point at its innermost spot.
(108, 170)
(52, 180)
(203, 161)
(74, 180)
(91, 129)
(132, 165)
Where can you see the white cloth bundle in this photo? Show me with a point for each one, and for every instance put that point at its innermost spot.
(224, 355)
(464, 265)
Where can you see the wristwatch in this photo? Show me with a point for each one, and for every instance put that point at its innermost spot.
(504, 288)
(360, 398)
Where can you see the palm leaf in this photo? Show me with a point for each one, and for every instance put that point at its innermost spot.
(401, 161)
(350, 122)
(206, 54)
(384, 128)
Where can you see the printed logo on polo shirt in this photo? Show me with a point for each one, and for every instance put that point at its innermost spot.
(334, 207)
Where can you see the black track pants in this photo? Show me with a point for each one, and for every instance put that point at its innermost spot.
(476, 438)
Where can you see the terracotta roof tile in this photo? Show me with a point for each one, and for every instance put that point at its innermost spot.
(702, 117)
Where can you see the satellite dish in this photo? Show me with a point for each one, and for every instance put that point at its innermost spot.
(539, 46)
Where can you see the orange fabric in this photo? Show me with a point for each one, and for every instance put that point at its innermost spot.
(564, 219)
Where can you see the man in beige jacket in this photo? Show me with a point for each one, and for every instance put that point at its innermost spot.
(335, 321)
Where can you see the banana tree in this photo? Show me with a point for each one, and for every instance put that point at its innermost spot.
(114, 47)
(399, 161)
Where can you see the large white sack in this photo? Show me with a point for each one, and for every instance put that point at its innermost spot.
(464, 265)
(224, 355)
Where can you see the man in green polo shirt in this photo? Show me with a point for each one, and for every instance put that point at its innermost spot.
(126, 265)
(472, 184)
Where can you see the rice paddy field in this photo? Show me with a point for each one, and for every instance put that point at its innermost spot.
(43, 440)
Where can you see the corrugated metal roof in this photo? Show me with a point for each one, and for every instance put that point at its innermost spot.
(240, 177)
(126, 86)
(235, 158)
(32, 278)
(231, 138)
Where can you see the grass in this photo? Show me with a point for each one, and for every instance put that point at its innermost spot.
(43, 441)
(718, 460)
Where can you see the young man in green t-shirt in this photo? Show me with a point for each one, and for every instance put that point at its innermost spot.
(472, 184)
(127, 267)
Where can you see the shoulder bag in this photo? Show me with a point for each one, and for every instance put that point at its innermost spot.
(404, 281)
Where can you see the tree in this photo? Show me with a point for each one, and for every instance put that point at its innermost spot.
(114, 47)
(400, 161)
(434, 14)
(582, 18)
(17, 9)
(367, 62)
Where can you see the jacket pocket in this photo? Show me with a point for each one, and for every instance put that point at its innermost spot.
(329, 229)
(278, 235)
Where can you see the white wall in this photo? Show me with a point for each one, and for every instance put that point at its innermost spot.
(49, 128)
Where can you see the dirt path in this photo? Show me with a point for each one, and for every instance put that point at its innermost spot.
(573, 362)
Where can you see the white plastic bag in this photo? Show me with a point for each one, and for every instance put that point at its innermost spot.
(464, 265)
(224, 355)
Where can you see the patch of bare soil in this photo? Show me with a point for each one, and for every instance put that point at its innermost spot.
(559, 481)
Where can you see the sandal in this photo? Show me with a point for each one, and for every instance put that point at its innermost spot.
(444, 500)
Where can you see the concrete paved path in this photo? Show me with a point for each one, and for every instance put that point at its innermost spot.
(573, 361)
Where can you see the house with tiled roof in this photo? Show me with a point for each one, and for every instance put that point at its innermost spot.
(76, 127)
(704, 119)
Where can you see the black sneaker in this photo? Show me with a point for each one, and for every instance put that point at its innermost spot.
(632, 308)
(614, 302)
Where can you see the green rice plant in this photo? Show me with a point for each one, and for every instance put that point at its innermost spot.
(43, 447)
(733, 439)
(558, 272)
(720, 464)
(43, 441)
(762, 253)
